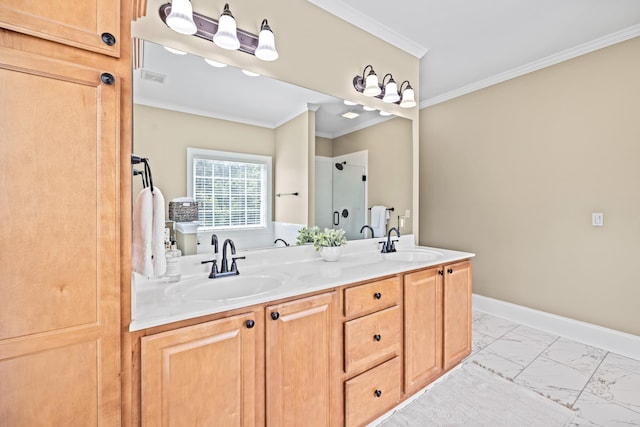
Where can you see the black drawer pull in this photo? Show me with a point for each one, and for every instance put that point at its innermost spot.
(108, 39)
(377, 295)
(275, 315)
(441, 272)
(250, 324)
(450, 270)
(377, 337)
(377, 393)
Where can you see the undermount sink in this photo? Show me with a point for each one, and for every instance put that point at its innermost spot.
(412, 255)
(225, 288)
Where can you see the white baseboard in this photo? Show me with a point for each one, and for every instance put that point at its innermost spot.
(608, 339)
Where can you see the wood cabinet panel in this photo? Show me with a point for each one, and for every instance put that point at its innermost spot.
(371, 297)
(74, 23)
(422, 328)
(372, 393)
(58, 169)
(372, 339)
(201, 375)
(301, 374)
(457, 313)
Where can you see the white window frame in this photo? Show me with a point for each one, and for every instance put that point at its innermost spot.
(202, 153)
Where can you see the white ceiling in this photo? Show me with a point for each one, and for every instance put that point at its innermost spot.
(464, 45)
(471, 44)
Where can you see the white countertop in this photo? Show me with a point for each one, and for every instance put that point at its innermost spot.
(293, 271)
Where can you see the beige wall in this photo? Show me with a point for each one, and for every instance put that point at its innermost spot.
(389, 169)
(513, 173)
(291, 170)
(163, 136)
(324, 147)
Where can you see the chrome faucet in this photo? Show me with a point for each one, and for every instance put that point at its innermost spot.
(370, 229)
(214, 268)
(390, 245)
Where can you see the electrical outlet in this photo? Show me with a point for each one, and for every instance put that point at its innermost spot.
(597, 219)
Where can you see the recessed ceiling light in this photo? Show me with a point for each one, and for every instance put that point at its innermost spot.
(214, 63)
(347, 102)
(175, 51)
(250, 73)
(367, 108)
(384, 113)
(350, 114)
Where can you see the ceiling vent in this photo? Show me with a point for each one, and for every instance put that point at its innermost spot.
(152, 77)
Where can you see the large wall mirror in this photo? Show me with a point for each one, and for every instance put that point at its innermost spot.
(326, 170)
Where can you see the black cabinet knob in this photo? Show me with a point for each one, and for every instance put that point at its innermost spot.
(108, 39)
(107, 78)
(377, 393)
(377, 295)
(275, 315)
(250, 324)
(440, 272)
(450, 270)
(377, 337)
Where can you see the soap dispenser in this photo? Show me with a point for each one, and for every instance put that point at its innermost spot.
(173, 255)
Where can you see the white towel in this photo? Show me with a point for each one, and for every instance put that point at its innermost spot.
(147, 249)
(379, 218)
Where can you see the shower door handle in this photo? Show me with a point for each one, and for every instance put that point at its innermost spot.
(336, 218)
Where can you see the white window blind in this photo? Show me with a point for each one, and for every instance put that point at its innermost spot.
(230, 193)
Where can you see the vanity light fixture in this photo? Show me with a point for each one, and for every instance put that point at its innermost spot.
(227, 35)
(180, 19)
(214, 63)
(179, 16)
(390, 90)
(368, 85)
(408, 96)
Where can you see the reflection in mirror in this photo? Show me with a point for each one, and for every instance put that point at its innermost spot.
(181, 102)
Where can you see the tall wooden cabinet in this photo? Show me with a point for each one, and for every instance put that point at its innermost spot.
(60, 125)
(301, 366)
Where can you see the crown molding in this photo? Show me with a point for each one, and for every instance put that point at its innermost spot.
(345, 12)
(565, 55)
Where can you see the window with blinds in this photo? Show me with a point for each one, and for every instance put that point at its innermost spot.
(230, 193)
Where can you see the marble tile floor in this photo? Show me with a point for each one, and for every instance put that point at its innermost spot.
(603, 388)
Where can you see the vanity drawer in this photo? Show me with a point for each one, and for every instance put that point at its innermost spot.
(372, 393)
(371, 297)
(372, 339)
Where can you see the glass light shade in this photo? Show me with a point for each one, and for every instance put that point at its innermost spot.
(384, 113)
(250, 73)
(180, 19)
(367, 108)
(214, 63)
(391, 92)
(408, 98)
(266, 49)
(227, 35)
(371, 87)
(347, 102)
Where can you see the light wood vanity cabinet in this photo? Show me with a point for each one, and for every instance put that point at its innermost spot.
(372, 349)
(437, 322)
(205, 374)
(302, 338)
(92, 25)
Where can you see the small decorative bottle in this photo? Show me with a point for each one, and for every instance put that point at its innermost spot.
(173, 255)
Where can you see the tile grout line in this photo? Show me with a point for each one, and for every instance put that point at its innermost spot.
(535, 358)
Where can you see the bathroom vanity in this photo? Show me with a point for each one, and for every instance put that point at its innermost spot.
(313, 343)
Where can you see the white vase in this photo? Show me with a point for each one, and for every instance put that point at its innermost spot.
(330, 253)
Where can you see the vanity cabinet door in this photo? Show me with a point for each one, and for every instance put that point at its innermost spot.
(60, 317)
(83, 24)
(422, 327)
(201, 375)
(302, 354)
(457, 312)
